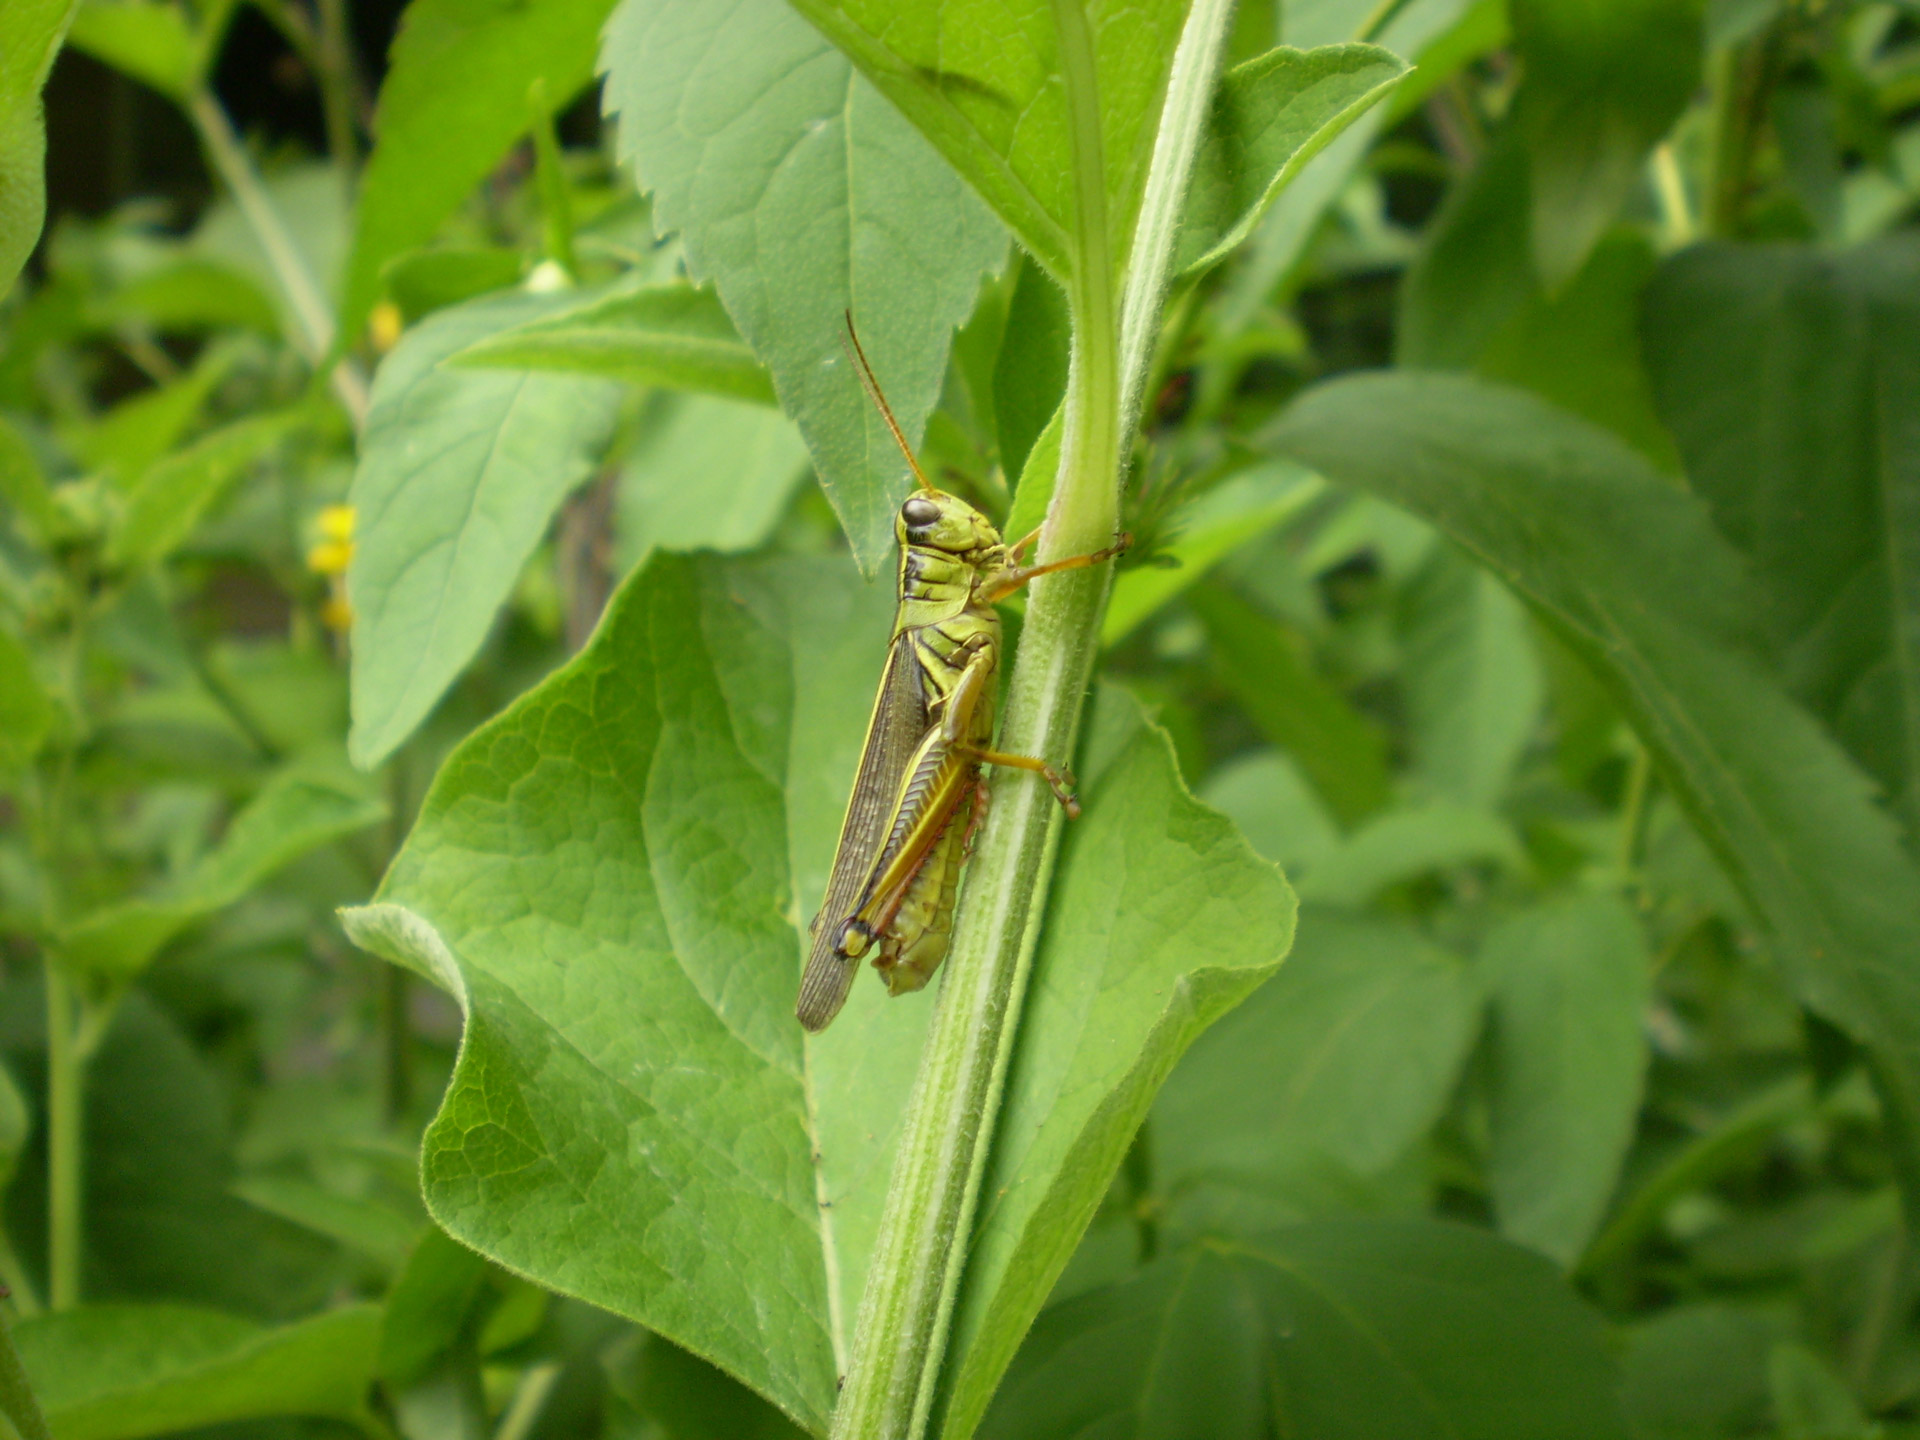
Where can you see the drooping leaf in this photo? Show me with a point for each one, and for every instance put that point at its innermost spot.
(801, 195)
(1329, 1072)
(460, 471)
(1630, 573)
(1341, 1330)
(1603, 83)
(1569, 985)
(998, 107)
(1271, 116)
(116, 1372)
(610, 878)
(291, 815)
(1788, 375)
(671, 335)
(454, 99)
(30, 36)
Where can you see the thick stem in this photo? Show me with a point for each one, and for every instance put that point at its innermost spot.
(66, 1078)
(919, 1254)
(310, 307)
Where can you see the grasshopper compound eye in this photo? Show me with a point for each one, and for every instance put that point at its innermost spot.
(919, 512)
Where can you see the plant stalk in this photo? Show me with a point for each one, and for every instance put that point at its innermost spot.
(310, 308)
(919, 1254)
(66, 1079)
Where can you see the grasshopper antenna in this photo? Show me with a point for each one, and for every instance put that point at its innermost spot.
(872, 387)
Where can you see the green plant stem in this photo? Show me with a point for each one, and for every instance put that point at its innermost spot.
(16, 1395)
(66, 1079)
(311, 311)
(913, 1278)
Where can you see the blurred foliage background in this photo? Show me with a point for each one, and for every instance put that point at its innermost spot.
(1524, 996)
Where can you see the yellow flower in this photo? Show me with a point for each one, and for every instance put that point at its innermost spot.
(384, 326)
(335, 613)
(330, 557)
(336, 522)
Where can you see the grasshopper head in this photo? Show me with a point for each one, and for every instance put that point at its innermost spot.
(939, 521)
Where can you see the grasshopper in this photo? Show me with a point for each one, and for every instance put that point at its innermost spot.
(919, 793)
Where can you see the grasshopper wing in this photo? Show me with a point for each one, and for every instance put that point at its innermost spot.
(898, 725)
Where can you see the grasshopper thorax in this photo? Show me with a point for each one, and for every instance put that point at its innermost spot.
(935, 520)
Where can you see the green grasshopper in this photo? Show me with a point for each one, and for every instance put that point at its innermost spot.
(919, 794)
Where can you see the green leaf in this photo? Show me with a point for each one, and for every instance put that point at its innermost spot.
(1699, 1370)
(189, 295)
(1404, 844)
(291, 815)
(1474, 301)
(26, 714)
(1271, 115)
(115, 1372)
(802, 195)
(1603, 83)
(1471, 680)
(375, 1230)
(1266, 796)
(454, 99)
(706, 474)
(1034, 491)
(460, 471)
(24, 488)
(1631, 575)
(1331, 1069)
(171, 497)
(673, 335)
(1160, 922)
(1267, 671)
(1569, 986)
(612, 878)
(1787, 375)
(1339, 1330)
(150, 40)
(1030, 372)
(423, 281)
(1810, 1402)
(429, 1306)
(30, 35)
(132, 437)
(689, 1399)
(1239, 509)
(997, 106)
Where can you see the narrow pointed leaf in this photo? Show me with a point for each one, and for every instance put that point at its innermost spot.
(1628, 570)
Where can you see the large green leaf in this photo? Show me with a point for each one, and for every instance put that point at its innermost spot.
(1789, 376)
(1630, 573)
(611, 877)
(985, 83)
(171, 497)
(30, 35)
(455, 97)
(291, 815)
(1338, 1330)
(115, 1372)
(1323, 1078)
(1569, 986)
(460, 471)
(802, 196)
